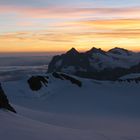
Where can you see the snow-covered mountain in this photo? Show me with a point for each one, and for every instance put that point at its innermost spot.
(97, 63)
(60, 109)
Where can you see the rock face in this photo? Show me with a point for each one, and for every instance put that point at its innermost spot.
(36, 82)
(63, 76)
(129, 80)
(96, 63)
(4, 103)
(69, 62)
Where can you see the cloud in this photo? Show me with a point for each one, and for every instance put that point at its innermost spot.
(48, 28)
(112, 24)
(71, 13)
(118, 26)
(39, 41)
(126, 28)
(33, 3)
(39, 36)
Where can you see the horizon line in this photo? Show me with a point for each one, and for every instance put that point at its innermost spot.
(62, 51)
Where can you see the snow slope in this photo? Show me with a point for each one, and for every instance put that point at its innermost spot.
(131, 76)
(63, 111)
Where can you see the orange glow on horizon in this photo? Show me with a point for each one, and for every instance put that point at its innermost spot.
(79, 32)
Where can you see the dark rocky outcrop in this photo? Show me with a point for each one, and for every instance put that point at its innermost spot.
(63, 76)
(36, 82)
(4, 103)
(57, 75)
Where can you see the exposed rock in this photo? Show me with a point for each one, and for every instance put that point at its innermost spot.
(4, 103)
(36, 82)
(57, 75)
(129, 80)
(71, 62)
(72, 51)
(63, 76)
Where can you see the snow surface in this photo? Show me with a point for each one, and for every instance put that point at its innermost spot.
(59, 63)
(69, 69)
(129, 76)
(101, 61)
(63, 111)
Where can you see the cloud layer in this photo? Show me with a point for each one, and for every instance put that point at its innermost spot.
(50, 25)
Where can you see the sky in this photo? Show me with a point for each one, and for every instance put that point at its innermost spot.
(58, 25)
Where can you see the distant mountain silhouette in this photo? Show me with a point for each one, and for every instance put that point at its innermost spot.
(97, 63)
(120, 51)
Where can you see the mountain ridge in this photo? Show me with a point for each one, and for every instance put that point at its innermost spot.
(96, 63)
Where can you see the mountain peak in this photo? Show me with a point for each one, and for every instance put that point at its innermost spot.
(95, 50)
(118, 48)
(72, 51)
(120, 51)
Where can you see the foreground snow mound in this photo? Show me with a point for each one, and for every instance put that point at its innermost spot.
(31, 125)
(99, 110)
(16, 127)
(93, 97)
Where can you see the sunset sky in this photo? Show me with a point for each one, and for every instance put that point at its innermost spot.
(58, 25)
